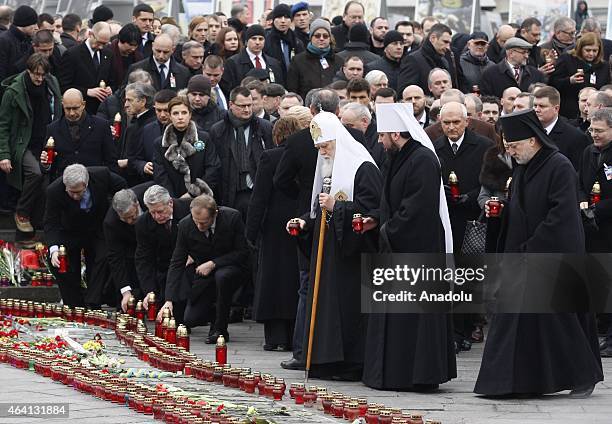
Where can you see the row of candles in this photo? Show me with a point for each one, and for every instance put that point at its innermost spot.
(168, 350)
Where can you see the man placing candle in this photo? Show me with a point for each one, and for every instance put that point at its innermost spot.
(339, 329)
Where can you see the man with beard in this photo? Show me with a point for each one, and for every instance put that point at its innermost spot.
(356, 183)
(378, 29)
(534, 354)
(491, 109)
(281, 42)
(412, 191)
(415, 95)
(434, 53)
(204, 112)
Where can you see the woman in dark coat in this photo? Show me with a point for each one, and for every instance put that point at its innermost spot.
(277, 281)
(186, 162)
(588, 56)
(228, 44)
(317, 66)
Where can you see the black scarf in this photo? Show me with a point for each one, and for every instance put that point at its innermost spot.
(243, 151)
(559, 46)
(430, 52)
(41, 112)
(75, 128)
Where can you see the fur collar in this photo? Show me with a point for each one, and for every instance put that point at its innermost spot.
(495, 171)
(177, 155)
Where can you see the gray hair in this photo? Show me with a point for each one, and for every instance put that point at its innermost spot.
(604, 99)
(360, 111)
(325, 100)
(139, 75)
(604, 115)
(562, 23)
(74, 175)
(291, 94)
(171, 31)
(123, 200)
(142, 91)
(375, 77)
(435, 70)
(591, 25)
(447, 105)
(191, 44)
(528, 95)
(100, 27)
(452, 95)
(156, 194)
(476, 100)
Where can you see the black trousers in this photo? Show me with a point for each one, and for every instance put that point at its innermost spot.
(32, 189)
(94, 250)
(212, 297)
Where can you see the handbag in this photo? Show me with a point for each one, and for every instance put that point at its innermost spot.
(475, 237)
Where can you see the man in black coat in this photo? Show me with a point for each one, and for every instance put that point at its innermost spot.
(79, 138)
(139, 107)
(495, 52)
(353, 14)
(294, 177)
(213, 237)
(239, 140)
(251, 57)
(357, 45)
(569, 140)
(86, 65)
(512, 72)
(15, 42)
(120, 236)
(392, 56)
(71, 27)
(534, 354)
(434, 53)
(143, 16)
(410, 221)
(74, 212)
(281, 41)
(165, 71)
(204, 112)
(156, 231)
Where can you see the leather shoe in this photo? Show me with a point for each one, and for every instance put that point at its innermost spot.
(603, 343)
(270, 347)
(212, 339)
(606, 353)
(582, 392)
(293, 364)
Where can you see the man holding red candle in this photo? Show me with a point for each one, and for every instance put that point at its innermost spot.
(529, 354)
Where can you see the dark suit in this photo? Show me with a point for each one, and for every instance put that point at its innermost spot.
(133, 148)
(177, 72)
(237, 66)
(476, 125)
(67, 224)
(496, 79)
(150, 132)
(415, 69)
(121, 245)
(77, 70)
(227, 248)
(95, 146)
(569, 140)
(147, 48)
(154, 246)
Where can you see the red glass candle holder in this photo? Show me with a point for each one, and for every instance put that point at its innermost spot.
(357, 223)
(494, 207)
(294, 227)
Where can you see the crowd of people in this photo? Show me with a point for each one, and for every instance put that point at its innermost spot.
(174, 164)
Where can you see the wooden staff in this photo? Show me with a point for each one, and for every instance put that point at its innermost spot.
(315, 294)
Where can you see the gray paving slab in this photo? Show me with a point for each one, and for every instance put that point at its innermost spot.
(454, 404)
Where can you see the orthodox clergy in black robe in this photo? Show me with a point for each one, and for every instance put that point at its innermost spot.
(409, 351)
(540, 353)
(339, 332)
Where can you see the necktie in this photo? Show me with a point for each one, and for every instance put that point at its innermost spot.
(219, 99)
(168, 225)
(162, 74)
(285, 48)
(257, 62)
(96, 60)
(209, 234)
(517, 73)
(455, 147)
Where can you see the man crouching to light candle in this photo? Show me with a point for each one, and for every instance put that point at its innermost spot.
(346, 182)
(214, 238)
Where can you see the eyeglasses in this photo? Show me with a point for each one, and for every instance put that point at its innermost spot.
(322, 35)
(596, 131)
(569, 33)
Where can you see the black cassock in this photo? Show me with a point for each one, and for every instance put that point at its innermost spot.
(339, 336)
(541, 353)
(404, 350)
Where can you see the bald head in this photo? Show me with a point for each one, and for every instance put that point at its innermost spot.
(504, 33)
(6, 13)
(508, 97)
(415, 95)
(452, 95)
(72, 94)
(73, 104)
(163, 47)
(453, 117)
(100, 35)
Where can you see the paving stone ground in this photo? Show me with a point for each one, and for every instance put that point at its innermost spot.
(455, 403)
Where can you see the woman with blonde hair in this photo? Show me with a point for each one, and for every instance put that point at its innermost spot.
(584, 66)
(277, 281)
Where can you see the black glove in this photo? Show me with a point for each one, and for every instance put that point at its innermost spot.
(588, 220)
